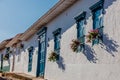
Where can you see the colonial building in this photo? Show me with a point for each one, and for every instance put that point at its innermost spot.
(4, 56)
(14, 47)
(74, 40)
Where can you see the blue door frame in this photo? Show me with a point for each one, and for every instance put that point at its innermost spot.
(41, 52)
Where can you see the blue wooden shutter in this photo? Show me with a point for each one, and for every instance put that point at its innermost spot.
(96, 23)
(30, 52)
(80, 29)
(57, 36)
(1, 61)
(97, 10)
(80, 33)
(57, 41)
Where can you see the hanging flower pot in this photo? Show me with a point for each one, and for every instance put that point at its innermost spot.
(6, 57)
(75, 44)
(21, 46)
(93, 34)
(9, 51)
(53, 56)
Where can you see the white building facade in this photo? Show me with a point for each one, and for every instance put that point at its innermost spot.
(97, 62)
(92, 24)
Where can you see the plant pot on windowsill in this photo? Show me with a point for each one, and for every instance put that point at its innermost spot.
(53, 56)
(75, 44)
(93, 34)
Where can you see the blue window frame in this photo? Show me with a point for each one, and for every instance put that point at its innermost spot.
(80, 29)
(57, 36)
(1, 62)
(30, 52)
(80, 20)
(97, 10)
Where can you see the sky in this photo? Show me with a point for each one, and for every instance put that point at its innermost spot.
(16, 16)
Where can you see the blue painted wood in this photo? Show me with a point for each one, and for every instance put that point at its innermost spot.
(57, 37)
(80, 20)
(97, 23)
(97, 10)
(30, 50)
(81, 33)
(57, 44)
(41, 53)
(1, 61)
(80, 16)
(97, 6)
(57, 31)
(80, 29)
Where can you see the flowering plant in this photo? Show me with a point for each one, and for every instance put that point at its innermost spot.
(93, 34)
(53, 56)
(75, 44)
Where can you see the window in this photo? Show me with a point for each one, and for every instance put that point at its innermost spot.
(80, 20)
(97, 10)
(30, 52)
(1, 62)
(57, 35)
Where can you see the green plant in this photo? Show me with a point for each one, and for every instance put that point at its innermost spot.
(21, 46)
(6, 57)
(93, 34)
(75, 44)
(8, 50)
(53, 56)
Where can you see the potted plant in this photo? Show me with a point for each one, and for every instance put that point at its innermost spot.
(75, 44)
(8, 50)
(6, 57)
(21, 46)
(93, 34)
(53, 56)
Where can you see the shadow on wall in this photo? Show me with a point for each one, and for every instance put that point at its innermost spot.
(108, 3)
(61, 64)
(90, 53)
(110, 45)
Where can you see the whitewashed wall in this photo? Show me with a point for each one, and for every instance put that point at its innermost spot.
(6, 63)
(101, 62)
(21, 65)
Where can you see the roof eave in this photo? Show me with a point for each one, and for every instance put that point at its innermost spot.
(56, 10)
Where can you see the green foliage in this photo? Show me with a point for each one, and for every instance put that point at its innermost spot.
(6, 57)
(93, 34)
(8, 51)
(75, 44)
(53, 56)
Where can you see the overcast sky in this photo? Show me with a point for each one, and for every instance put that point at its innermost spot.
(17, 15)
